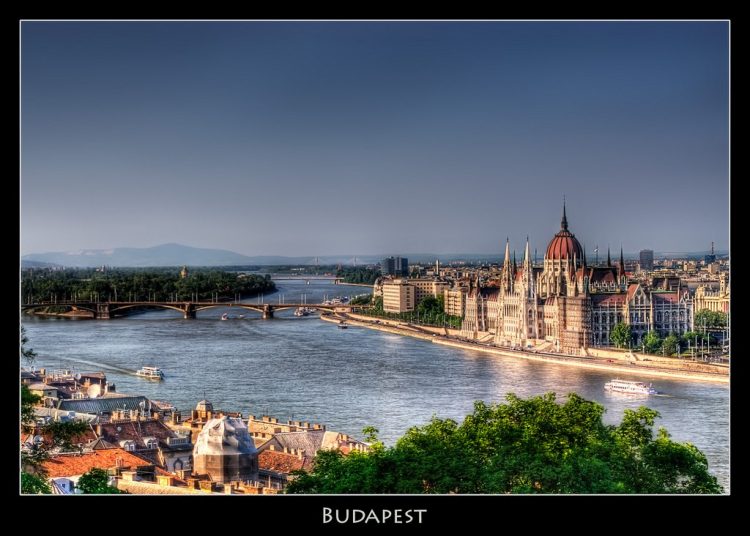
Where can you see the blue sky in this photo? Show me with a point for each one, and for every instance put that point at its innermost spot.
(329, 138)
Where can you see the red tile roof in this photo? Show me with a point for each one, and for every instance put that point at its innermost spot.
(607, 299)
(77, 464)
(281, 462)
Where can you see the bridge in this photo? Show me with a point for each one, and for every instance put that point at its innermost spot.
(107, 310)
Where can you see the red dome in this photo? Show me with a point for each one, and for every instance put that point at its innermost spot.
(565, 244)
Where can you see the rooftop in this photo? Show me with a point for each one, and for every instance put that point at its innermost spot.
(77, 464)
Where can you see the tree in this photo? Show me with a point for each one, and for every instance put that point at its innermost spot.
(96, 481)
(652, 342)
(670, 344)
(710, 319)
(377, 304)
(33, 484)
(27, 353)
(535, 445)
(364, 299)
(621, 336)
(28, 401)
(64, 434)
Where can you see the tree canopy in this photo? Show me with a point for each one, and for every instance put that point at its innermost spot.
(535, 445)
(96, 481)
(621, 335)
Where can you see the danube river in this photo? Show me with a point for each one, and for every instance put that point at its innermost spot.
(307, 369)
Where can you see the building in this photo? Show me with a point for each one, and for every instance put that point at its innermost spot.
(712, 299)
(424, 287)
(398, 266)
(566, 305)
(455, 301)
(225, 451)
(398, 296)
(647, 259)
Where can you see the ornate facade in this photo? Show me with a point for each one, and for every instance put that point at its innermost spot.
(567, 305)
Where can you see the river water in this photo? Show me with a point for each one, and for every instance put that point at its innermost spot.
(307, 369)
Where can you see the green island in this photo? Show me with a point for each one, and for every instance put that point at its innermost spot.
(139, 284)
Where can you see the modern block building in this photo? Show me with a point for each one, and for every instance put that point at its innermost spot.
(647, 259)
(398, 266)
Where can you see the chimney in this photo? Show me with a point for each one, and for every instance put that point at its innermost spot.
(129, 476)
(165, 480)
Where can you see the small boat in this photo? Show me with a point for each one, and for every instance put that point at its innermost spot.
(301, 311)
(342, 325)
(630, 387)
(151, 373)
(225, 316)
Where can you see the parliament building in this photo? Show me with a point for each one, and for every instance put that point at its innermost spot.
(567, 305)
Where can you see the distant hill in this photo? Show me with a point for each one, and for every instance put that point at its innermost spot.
(177, 255)
(163, 255)
(37, 264)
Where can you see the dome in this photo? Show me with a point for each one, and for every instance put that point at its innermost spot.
(204, 405)
(564, 245)
(225, 451)
(224, 436)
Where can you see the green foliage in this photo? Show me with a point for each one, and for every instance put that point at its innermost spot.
(28, 401)
(535, 445)
(27, 353)
(362, 275)
(96, 481)
(377, 304)
(138, 284)
(65, 434)
(652, 342)
(670, 344)
(364, 299)
(34, 485)
(621, 336)
(710, 319)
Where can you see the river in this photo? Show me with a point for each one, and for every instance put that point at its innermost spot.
(306, 369)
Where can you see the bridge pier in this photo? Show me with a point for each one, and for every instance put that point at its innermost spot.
(102, 311)
(189, 311)
(267, 312)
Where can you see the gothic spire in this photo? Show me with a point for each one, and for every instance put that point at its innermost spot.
(507, 252)
(584, 257)
(609, 260)
(527, 254)
(564, 222)
(622, 263)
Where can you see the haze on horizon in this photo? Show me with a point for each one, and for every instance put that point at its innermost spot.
(316, 138)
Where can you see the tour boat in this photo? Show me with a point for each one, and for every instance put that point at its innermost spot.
(301, 311)
(152, 373)
(624, 386)
(225, 316)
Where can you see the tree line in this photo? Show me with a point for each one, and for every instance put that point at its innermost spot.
(134, 284)
(707, 328)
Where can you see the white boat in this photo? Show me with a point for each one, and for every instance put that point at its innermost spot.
(152, 373)
(301, 311)
(625, 386)
(225, 316)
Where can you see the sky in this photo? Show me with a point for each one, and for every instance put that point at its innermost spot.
(321, 138)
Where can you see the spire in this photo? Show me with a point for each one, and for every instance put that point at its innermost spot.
(584, 257)
(622, 261)
(564, 222)
(526, 254)
(507, 252)
(514, 261)
(609, 260)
